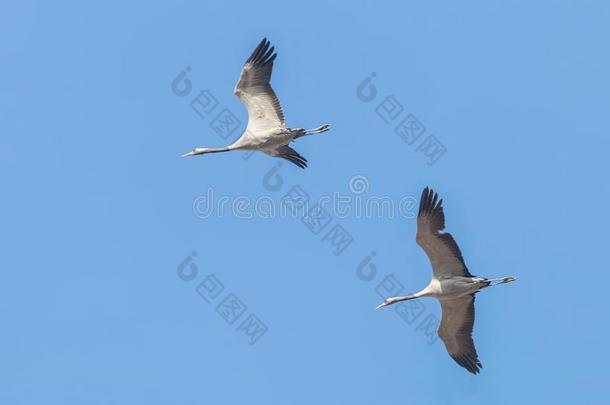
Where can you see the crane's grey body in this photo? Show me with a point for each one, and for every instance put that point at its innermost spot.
(266, 130)
(452, 284)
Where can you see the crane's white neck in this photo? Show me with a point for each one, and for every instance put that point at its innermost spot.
(201, 151)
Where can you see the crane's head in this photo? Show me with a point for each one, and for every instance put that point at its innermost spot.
(197, 151)
(394, 300)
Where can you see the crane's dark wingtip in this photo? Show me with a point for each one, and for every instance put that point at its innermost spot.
(262, 54)
(296, 159)
(472, 365)
(429, 201)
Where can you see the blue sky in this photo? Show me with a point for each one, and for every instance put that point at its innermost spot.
(102, 300)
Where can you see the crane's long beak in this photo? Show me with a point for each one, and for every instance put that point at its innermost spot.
(191, 153)
(383, 304)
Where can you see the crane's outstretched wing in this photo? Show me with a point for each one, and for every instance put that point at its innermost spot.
(441, 248)
(456, 332)
(254, 90)
(286, 152)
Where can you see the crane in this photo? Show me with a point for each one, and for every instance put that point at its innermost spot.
(452, 284)
(266, 130)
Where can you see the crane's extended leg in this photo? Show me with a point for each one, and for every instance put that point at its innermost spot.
(313, 131)
(503, 280)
